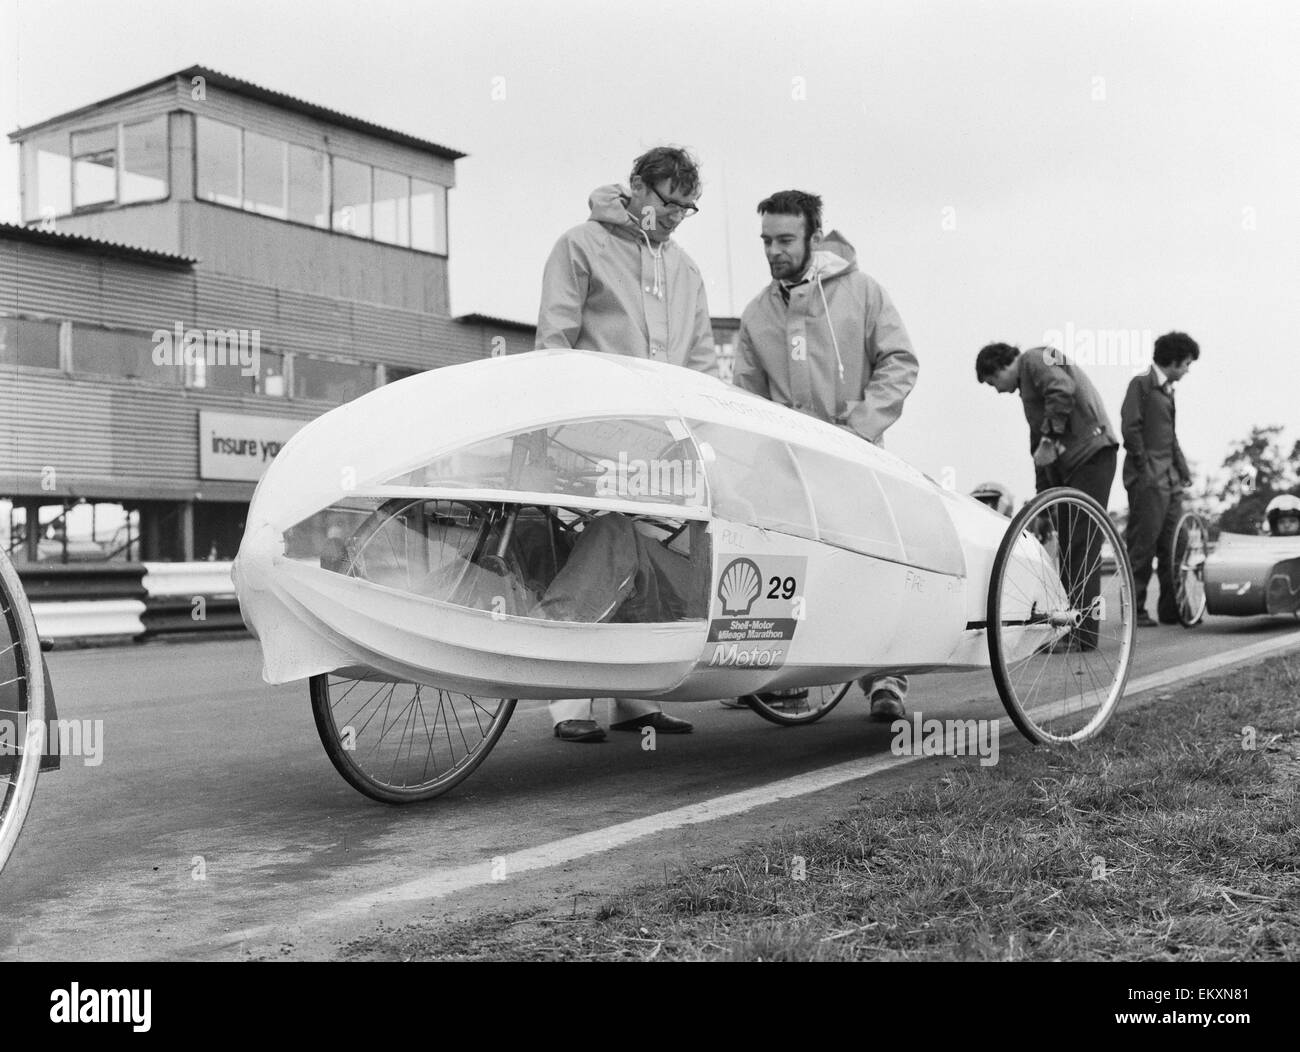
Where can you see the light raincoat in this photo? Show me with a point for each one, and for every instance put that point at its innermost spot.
(838, 351)
(607, 288)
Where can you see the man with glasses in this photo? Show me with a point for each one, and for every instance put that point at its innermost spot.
(619, 284)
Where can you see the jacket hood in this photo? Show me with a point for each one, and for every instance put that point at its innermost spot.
(832, 257)
(609, 206)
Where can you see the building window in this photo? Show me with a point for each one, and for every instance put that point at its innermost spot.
(144, 161)
(286, 181)
(27, 342)
(392, 208)
(47, 177)
(120, 164)
(428, 217)
(265, 175)
(329, 381)
(351, 186)
(219, 165)
(264, 374)
(122, 353)
(308, 192)
(94, 167)
(393, 373)
(270, 379)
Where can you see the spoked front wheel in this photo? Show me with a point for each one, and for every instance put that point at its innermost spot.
(791, 708)
(22, 707)
(1060, 631)
(1191, 545)
(400, 743)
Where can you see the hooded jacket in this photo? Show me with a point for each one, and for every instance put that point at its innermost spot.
(838, 351)
(607, 288)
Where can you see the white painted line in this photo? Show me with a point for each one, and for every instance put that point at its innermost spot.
(1170, 676)
(545, 856)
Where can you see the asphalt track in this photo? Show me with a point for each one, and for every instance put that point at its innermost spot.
(214, 827)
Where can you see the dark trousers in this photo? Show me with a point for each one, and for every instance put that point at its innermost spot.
(1153, 516)
(1080, 540)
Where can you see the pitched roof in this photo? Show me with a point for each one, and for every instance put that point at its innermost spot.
(256, 91)
(502, 323)
(92, 245)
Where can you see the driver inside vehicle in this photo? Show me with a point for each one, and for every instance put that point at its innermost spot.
(1283, 515)
(620, 571)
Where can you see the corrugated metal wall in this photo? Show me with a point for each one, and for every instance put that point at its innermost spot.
(112, 437)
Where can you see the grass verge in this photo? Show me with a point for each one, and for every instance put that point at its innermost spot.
(1176, 836)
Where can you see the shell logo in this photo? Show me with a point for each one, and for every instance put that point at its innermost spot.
(739, 586)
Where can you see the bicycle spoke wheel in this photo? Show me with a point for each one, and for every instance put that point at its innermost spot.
(22, 707)
(1061, 632)
(1191, 543)
(791, 708)
(404, 742)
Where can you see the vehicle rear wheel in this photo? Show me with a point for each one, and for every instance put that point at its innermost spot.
(22, 707)
(399, 742)
(1060, 637)
(1191, 545)
(789, 710)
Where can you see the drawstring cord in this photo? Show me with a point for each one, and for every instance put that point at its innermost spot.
(657, 254)
(834, 342)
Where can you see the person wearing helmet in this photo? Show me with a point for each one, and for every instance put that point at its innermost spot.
(1283, 515)
(996, 496)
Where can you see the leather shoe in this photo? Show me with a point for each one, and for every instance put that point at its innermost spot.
(579, 731)
(1145, 620)
(886, 706)
(660, 721)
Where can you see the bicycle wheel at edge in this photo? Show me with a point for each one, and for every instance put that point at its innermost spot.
(22, 690)
(821, 700)
(400, 742)
(1189, 568)
(1058, 698)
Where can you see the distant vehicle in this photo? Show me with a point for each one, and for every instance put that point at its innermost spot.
(1240, 575)
(457, 538)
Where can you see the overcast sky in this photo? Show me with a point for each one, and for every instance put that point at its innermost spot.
(1005, 169)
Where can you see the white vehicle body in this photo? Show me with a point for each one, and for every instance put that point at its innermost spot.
(862, 564)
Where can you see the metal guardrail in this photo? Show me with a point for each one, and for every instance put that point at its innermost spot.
(88, 602)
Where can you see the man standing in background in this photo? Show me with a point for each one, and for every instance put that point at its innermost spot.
(825, 339)
(619, 284)
(1155, 471)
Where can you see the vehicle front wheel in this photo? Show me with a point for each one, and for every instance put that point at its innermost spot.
(400, 742)
(1061, 632)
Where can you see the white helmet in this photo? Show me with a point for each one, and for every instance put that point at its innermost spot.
(1283, 505)
(996, 496)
